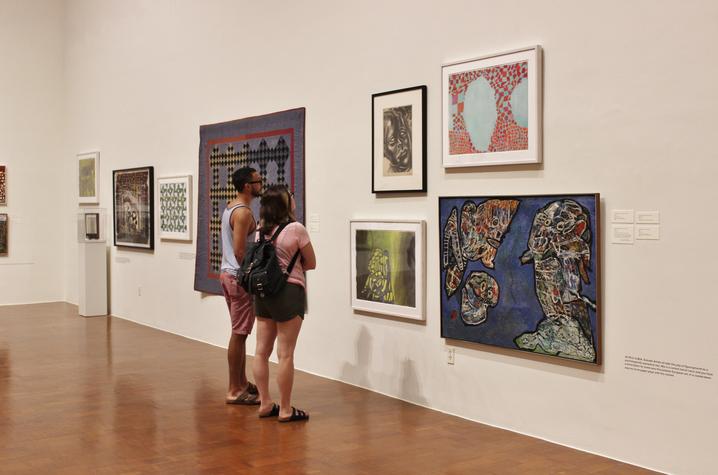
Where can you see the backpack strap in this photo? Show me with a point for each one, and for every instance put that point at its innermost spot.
(296, 254)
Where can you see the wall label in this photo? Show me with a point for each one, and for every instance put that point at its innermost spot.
(665, 368)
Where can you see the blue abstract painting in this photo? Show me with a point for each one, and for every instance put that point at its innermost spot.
(522, 272)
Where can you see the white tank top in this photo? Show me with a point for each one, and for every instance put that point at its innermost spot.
(229, 261)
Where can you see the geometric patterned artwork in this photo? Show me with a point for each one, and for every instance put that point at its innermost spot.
(3, 185)
(522, 272)
(387, 269)
(3, 234)
(88, 177)
(492, 110)
(133, 207)
(175, 207)
(272, 144)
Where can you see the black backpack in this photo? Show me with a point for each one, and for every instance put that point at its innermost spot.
(260, 273)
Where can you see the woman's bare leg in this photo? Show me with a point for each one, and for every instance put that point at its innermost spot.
(287, 333)
(266, 334)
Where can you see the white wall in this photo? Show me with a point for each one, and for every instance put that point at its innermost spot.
(31, 130)
(629, 96)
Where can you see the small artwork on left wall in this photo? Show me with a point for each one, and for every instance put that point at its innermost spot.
(3, 234)
(133, 207)
(88, 180)
(3, 181)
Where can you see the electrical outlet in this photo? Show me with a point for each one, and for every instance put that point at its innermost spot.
(451, 356)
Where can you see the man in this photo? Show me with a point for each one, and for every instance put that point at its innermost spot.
(237, 224)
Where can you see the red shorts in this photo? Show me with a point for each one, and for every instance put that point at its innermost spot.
(239, 303)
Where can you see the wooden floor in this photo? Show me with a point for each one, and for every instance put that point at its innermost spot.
(103, 395)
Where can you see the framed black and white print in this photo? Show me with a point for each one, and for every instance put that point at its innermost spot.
(133, 210)
(399, 140)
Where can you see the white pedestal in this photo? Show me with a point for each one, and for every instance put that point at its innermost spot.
(93, 279)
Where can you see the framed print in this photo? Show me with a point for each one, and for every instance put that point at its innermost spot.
(398, 135)
(176, 207)
(522, 272)
(272, 144)
(388, 267)
(3, 185)
(4, 234)
(133, 210)
(88, 174)
(491, 112)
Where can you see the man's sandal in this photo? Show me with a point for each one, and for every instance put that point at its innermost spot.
(245, 399)
(297, 415)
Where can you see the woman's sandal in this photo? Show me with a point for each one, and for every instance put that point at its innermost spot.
(297, 415)
(273, 412)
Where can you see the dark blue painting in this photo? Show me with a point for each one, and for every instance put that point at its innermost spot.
(522, 272)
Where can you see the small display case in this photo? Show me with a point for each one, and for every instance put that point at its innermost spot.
(91, 225)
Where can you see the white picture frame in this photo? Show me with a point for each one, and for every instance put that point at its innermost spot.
(388, 267)
(491, 110)
(88, 178)
(175, 207)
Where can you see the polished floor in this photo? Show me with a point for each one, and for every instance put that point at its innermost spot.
(107, 396)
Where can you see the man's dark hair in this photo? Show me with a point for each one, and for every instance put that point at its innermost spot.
(241, 177)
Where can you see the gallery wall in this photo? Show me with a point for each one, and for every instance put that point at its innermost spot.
(628, 113)
(31, 130)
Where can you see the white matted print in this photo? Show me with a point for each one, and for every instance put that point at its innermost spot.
(88, 177)
(176, 207)
(491, 112)
(399, 140)
(388, 267)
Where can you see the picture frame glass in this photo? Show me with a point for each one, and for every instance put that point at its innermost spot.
(133, 207)
(88, 177)
(399, 140)
(492, 110)
(175, 207)
(388, 267)
(522, 272)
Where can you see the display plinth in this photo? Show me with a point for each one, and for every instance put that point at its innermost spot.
(93, 279)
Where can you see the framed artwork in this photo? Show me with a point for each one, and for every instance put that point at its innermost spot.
(176, 207)
(3, 185)
(92, 226)
(272, 144)
(388, 270)
(522, 272)
(88, 177)
(133, 210)
(4, 234)
(398, 135)
(491, 112)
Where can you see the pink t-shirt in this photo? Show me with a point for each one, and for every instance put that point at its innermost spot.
(292, 238)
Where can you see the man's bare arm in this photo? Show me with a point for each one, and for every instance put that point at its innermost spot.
(242, 224)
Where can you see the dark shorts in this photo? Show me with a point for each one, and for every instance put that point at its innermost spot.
(284, 306)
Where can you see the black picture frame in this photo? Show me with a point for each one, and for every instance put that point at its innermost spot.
(133, 211)
(397, 169)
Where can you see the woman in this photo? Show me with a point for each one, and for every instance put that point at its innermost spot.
(280, 316)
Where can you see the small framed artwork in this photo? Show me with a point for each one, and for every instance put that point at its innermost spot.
(522, 272)
(398, 132)
(88, 177)
(388, 270)
(133, 210)
(176, 207)
(4, 233)
(3, 185)
(491, 112)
